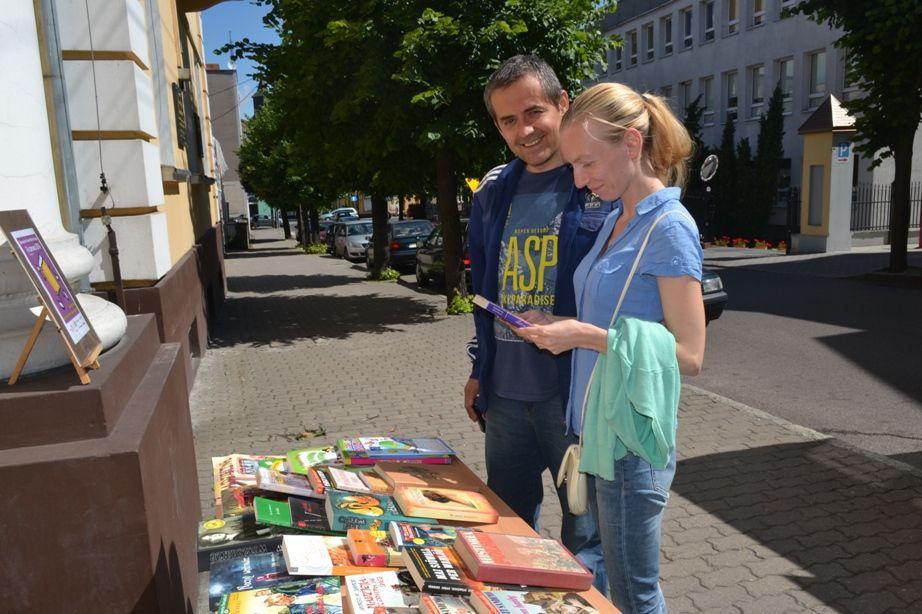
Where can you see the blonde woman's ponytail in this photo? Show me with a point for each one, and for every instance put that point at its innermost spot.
(668, 142)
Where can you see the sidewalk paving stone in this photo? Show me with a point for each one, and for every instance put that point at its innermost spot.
(763, 516)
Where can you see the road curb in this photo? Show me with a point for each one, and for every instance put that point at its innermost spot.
(805, 431)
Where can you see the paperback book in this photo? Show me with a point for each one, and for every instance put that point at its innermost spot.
(300, 461)
(529, 602)
(346, 480)
(454, 475)
(220, 539)
(288, 483)
(515, 559)
(434, 572)
(302, 596)
(412, 535)
(322, 555)
(444, 604)
(301, 514)
(357, 511)
(369, 450)
(373, 548)
(445, 504)
(319, 481)
(246, 573)
(377, 593)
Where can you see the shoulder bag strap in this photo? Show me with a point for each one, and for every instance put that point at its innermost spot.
(614, 316)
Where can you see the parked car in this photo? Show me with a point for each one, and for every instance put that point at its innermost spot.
(715, 297)
(430, 263)
(403, 239)
(350, 238)
(343, 212)
(260, 221)
(326, 235)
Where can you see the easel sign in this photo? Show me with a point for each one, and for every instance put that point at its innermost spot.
(81, 343)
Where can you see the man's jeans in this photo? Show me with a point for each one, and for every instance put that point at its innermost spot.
(523, 440)
(630, 512)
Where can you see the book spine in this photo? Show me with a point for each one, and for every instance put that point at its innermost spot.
(443, 588)
(209, 556)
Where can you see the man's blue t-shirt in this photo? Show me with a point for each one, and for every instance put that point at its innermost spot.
(527, 280)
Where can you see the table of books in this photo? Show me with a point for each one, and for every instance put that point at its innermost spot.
(310, 545)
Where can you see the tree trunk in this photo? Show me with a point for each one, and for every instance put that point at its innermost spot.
(379, 236)
(303, 225)
(447, 192)
(314, 217)
(285, 225)
(401, 203)
(899, 203)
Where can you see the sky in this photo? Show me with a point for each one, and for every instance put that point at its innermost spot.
(242, 20)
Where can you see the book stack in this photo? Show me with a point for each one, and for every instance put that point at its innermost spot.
(369, 525)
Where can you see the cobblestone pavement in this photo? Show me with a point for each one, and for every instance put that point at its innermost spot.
(764, 516)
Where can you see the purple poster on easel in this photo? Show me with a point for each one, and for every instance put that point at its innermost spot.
(62, 300)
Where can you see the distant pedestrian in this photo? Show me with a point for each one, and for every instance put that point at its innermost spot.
(628, 146)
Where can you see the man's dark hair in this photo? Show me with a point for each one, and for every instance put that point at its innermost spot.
(517, 67)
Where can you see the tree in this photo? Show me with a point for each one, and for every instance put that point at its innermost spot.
(769, 154)
(745, 173)
(883, 43)
(726, 182)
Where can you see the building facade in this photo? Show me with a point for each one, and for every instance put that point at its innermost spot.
(224, 101)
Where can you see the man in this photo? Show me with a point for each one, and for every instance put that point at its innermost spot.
(529, 228)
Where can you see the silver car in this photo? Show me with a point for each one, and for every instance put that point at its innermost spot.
(350, 239)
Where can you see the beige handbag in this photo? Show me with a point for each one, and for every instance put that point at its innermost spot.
(569, 473)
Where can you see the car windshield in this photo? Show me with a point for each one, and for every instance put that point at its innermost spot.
(411, 229)
(359, 229)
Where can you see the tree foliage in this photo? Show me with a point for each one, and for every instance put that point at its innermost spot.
(883, 44)
(385, 96)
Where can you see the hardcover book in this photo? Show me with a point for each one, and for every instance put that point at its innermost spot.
(515, 559)
(372, 548)
(444, 604)
(245, 573)
(412, 535)
(399, 475)
(357, 511)
(288, 483)
(434, 572)
(302, 596)
(529, 602)
(445, 504)
(220, 539)
(300, 461)
(368, 450)
(346, 480)
(377, 593)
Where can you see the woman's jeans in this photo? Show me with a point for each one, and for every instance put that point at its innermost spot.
(630, 514)
(523, 440)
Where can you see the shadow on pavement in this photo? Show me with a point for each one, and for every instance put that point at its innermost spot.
(267, 284)
(261, 320)
(265, 252)
(853, 524)
(885, 320)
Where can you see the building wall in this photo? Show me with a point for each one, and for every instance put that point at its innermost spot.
(750, 45)
(224, 100)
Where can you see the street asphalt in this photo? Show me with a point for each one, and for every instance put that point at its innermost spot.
(764, 515)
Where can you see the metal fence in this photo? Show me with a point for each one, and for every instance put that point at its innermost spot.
(871, 206)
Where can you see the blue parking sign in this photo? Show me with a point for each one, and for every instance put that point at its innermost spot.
(843, 152)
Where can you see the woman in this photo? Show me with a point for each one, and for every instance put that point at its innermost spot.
(628, 146)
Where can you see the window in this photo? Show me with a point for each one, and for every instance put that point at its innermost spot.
(758, 12)
(685, 98)
(786, 81)
(648, 42)
(619, 57)
(731, 96)
(632, 43)
(707, 95)
(815, 202)
(850, 89)
(733, 18)
(817, 91)
(687, 28)
(666, 92)
(756, 91)
(707, 28)
(665, 28)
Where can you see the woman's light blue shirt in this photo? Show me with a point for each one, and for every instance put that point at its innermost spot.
(674, 250)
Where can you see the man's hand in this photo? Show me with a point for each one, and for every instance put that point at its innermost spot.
(471, 390)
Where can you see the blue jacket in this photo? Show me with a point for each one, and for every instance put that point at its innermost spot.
(485, 234)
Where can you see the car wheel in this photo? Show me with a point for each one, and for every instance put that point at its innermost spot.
(421, 278)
